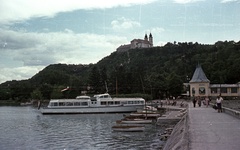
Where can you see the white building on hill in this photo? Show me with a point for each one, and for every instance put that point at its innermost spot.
(137, 43)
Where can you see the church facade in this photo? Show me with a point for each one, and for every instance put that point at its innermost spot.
(147, 42)
(200, 86)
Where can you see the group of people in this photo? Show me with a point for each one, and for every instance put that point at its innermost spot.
(198, 100)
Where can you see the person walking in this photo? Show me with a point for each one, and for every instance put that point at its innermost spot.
(194, 101)
(206, 101)
(219, 103)
(199, 100)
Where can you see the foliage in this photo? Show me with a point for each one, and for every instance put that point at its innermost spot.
(36, 95)
(158, 71)
(134, 95)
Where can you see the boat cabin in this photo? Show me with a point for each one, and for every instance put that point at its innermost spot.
(101, 100)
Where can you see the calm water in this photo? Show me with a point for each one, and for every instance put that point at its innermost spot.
(24, 128)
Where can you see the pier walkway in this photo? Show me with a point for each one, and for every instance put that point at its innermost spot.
(210, 130)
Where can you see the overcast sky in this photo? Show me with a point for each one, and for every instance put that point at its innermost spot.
(37, 33)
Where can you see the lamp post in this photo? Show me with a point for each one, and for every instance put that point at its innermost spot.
(220, 85)
(188, 86)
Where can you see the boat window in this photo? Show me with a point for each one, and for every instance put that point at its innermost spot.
(83, 98)
(54, 104)
(76, 103)
(124, 102)
(84, 103)
(130, 102)
(117, 102)
(69, 104)
(103, 103)
(106, 96)
(61, 104)
(111, 103)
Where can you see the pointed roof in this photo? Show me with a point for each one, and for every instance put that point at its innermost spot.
(199, 75)
(150, 35)
(146, 37)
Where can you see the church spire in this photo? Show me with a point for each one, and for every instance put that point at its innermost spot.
(146, 37)
(151, 39)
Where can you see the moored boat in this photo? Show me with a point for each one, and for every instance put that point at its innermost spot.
(149, 115)
(128, 128)
(102, 103)
(135, 121)
(26, 104)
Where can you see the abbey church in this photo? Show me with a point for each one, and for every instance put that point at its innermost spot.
(137, 43)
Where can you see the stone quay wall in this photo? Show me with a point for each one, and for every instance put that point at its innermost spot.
(230, 108)
(179, 138)
(231, 112)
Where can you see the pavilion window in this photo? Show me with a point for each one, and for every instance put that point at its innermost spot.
(234, 90)
(202, 90)
(223, 90)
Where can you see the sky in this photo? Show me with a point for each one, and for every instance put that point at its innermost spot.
(37, 33)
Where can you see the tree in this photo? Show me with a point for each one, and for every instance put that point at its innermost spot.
(5, 94)
(104, 79)
(56, 92)
(94, 80)
(46, 90)
(36, 95)
(175, 84)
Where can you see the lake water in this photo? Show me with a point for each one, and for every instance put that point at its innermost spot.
(25, 128)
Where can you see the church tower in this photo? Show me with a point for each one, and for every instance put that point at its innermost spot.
(151, 39)
(146, 37)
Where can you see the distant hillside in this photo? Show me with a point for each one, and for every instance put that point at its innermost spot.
(61, 74)
(158, 71)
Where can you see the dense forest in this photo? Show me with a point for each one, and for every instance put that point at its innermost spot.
(157, 72)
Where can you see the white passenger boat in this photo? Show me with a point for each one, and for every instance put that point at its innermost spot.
(102, 103)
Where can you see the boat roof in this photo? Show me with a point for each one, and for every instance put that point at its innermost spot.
(83, 97)
(100, 95)
(69, 100)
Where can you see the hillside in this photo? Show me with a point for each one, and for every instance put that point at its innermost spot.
(158, 71)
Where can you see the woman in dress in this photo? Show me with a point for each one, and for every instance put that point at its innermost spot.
(219, 103)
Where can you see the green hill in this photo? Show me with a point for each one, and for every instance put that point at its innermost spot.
(158, 71)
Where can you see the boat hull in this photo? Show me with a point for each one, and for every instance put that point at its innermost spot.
(91, 110)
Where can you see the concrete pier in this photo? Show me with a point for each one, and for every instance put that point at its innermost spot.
(210, 130)
(205, 129)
